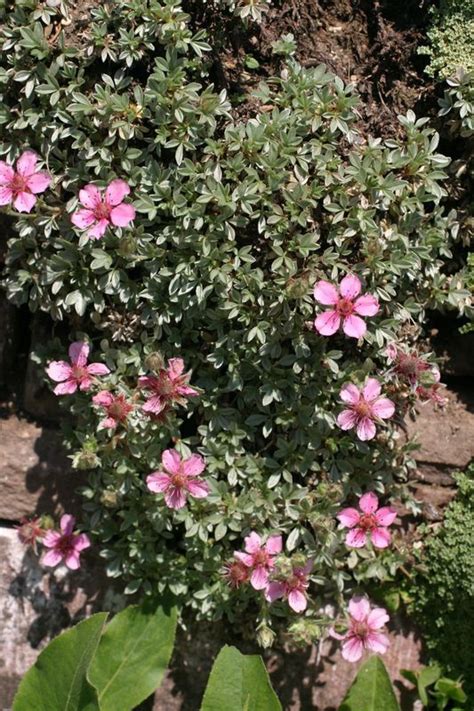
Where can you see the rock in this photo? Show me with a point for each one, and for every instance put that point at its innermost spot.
(35, 473)
(446, 437)
(36, 604)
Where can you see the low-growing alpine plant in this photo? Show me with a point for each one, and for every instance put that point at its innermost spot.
(231, 289)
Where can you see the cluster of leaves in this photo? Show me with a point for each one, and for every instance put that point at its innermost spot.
(450, 35)
(236, 221)
(442, 593)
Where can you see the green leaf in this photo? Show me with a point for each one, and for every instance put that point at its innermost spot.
(57, 681)
(371, 690)
(133, 655)
(239, 683)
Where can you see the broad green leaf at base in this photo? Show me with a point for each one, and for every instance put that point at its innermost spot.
(371, 690)
(57, 681)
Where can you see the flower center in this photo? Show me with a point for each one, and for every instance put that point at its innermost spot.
(118, 409)
(360, 629)
(179, 480)
(79, 372)
(345, 307)
(102, 211)
(363, 409)
(65, 545)
(260, 558)
(18, 184)
(367, 522)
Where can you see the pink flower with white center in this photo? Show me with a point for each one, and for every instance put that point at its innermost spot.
(65, 545)
(292, 589)
(347, 305)
(76, 374)
(21, 185)
(170, 385)
(365, 406)
(116, 407)
(259, 558)
(179, 479)
(369, 522)
(363, 630)
(100, 212)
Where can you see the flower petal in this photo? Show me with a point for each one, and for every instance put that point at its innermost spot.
(51, 558)
(359, 608)
(371, 389)
(274, 545)
(326, 293)
(26, 164)
(50, 539)
(356, 538)
(59, 370)
(327, 323)
(79, 353)
(67, 388)
(350, 393)
(6, 196)
(259, 578)
(194, 465)
(98, 230)
(6, 173)
(348, 517)
(175, 368)
(366, 305)
(253, 542)
(85, 384)
(244, 558)
(104, 398)
(297, 601)
(83, 218)
(97, 369)
(122, 215)
(274, 591)
(67, 524)
(90, 196)
(38, 182)
(368, 502)
(171, 461)
(366, 429)
(354, 326)
(154, 404)
(380, 537)
(81, 542)
(175, 497)
(385, 516)
(24, 202)
(158, 482)
(350, 286)
(377, 642)
(377, 618)
(352, 649)
(383, 408)
(197, 488)
(73, 561)
(116, 191)
(347, 419)
(108, 423)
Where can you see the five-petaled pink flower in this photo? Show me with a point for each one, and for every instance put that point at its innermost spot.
(65, 545)
(170, 385)
(363, 630)
(116, 407)
(365, 406)
(76, 374)
(179, 478)
(372, 521)
(100, 212)
(292, 589)
(347, 305)
(259, 558)
(21, 185)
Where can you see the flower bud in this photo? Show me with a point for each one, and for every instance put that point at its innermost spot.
(154, 362)
(265, 636)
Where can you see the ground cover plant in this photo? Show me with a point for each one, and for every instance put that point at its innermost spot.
(240, 306)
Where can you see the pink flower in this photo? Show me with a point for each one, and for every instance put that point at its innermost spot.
(170, 385)
(292, 589)
(21, 185)
(408, 366)
(259, 558)
(372, 521)
(179, 478)
(433, 393)
(362, 633)
(364, 407)
(65, 545)
(236, 573)
(30, 530)
(348, 307)
(98, 213)
(77, 374)
(116, 407)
